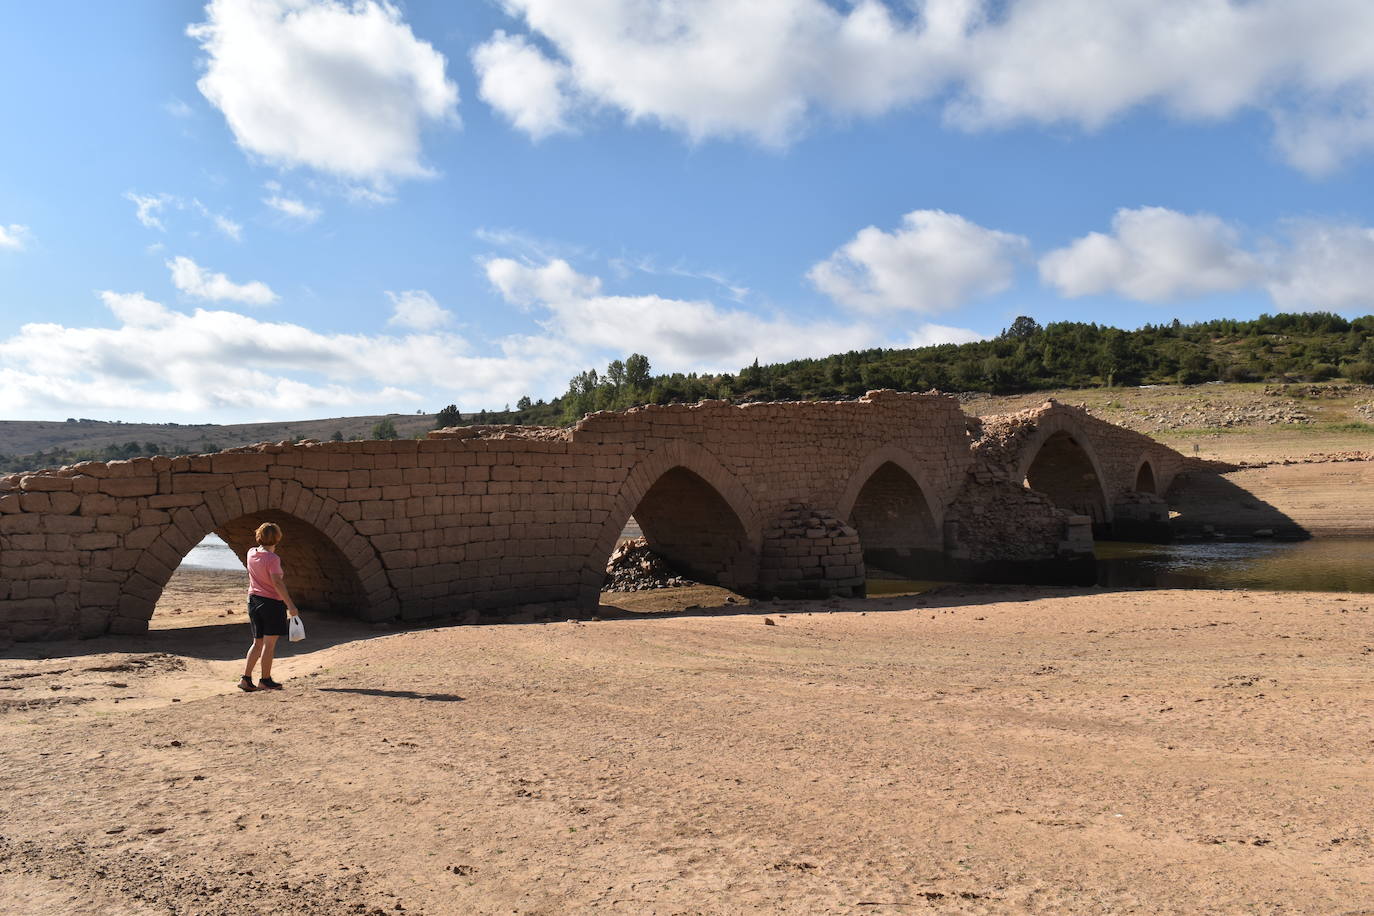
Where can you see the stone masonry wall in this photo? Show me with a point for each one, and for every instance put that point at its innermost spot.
(484, 519)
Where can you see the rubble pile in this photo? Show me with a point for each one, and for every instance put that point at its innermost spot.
(633, 567)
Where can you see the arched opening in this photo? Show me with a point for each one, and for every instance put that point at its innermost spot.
(896, 527)
(210, 585)
(1145, 479)
(1064, 472)
(690, 525)
(318, 575)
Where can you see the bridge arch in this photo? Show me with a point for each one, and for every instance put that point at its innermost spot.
(1145, 480)
(890, 503)
(694, 513)
(1060, 461)
(329, 565)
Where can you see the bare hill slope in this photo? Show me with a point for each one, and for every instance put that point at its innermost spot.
(25, 437)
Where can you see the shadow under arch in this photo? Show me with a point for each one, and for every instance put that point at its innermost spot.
(1060, 462)
(898, 525)
(329, 565)
(1145, 478)
(693, 512)
(888, 454)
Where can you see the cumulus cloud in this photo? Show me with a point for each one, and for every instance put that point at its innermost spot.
(677, 335)
(556, 281)
(519, 81)
(417, 309)
(718, 68)
(14, 236)
(1323, 266)
(1153, 254)
(217, 364)
(344, 88)
(220, 364)
(197, 282)
(293, 208)
(934, 262)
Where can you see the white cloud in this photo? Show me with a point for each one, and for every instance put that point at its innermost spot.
(677, 335)
(219, 365)
(148, 208)
(935, 262)
(212, 364)
(224, 224)
(929, 335)
(1153, 254)
(194, 280)
(417, 309)
(295, 209)
(14, 236)
(344, 88)
(1324, 266)
(525, 86)
(720, 68)
(556, 281)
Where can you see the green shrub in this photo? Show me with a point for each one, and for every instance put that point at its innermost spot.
(1361, 373)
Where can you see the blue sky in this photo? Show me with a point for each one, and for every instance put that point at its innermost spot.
(259, 209)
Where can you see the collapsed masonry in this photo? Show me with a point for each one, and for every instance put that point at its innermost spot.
(775, 498)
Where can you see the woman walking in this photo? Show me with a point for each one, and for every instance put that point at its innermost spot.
(268, 606)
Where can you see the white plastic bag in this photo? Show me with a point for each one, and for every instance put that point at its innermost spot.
(295, 630)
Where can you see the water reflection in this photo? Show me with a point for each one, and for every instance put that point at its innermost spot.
(1320, 565)
(212, 553)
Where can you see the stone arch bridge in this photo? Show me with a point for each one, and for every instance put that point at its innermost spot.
(773, 498)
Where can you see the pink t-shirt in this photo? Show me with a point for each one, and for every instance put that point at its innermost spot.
(261, 566)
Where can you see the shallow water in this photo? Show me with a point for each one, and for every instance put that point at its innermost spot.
(212, 553)
(1319, 565)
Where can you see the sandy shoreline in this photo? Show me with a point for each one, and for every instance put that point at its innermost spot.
(1041, 750)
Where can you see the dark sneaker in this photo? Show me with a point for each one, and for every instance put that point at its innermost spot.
(246, 684)
(266, 683)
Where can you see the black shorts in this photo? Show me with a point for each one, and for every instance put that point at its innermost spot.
(267, 616)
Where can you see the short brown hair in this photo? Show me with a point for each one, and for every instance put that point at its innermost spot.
(268, 534)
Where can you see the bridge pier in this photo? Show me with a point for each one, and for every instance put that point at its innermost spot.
(811, 554)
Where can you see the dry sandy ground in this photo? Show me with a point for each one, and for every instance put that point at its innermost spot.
(983, 751)
(1330, 499)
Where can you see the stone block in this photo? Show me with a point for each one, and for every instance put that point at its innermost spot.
(66, 524)
(130, 486)
(44, 483)
(92, 622)
(173, 500)
(99, 594)
(236, 463)
(128, 626)
(96, 540)
(119, 524)
(98, 504)
(35, 502)
(27, 609)
(199, 483)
